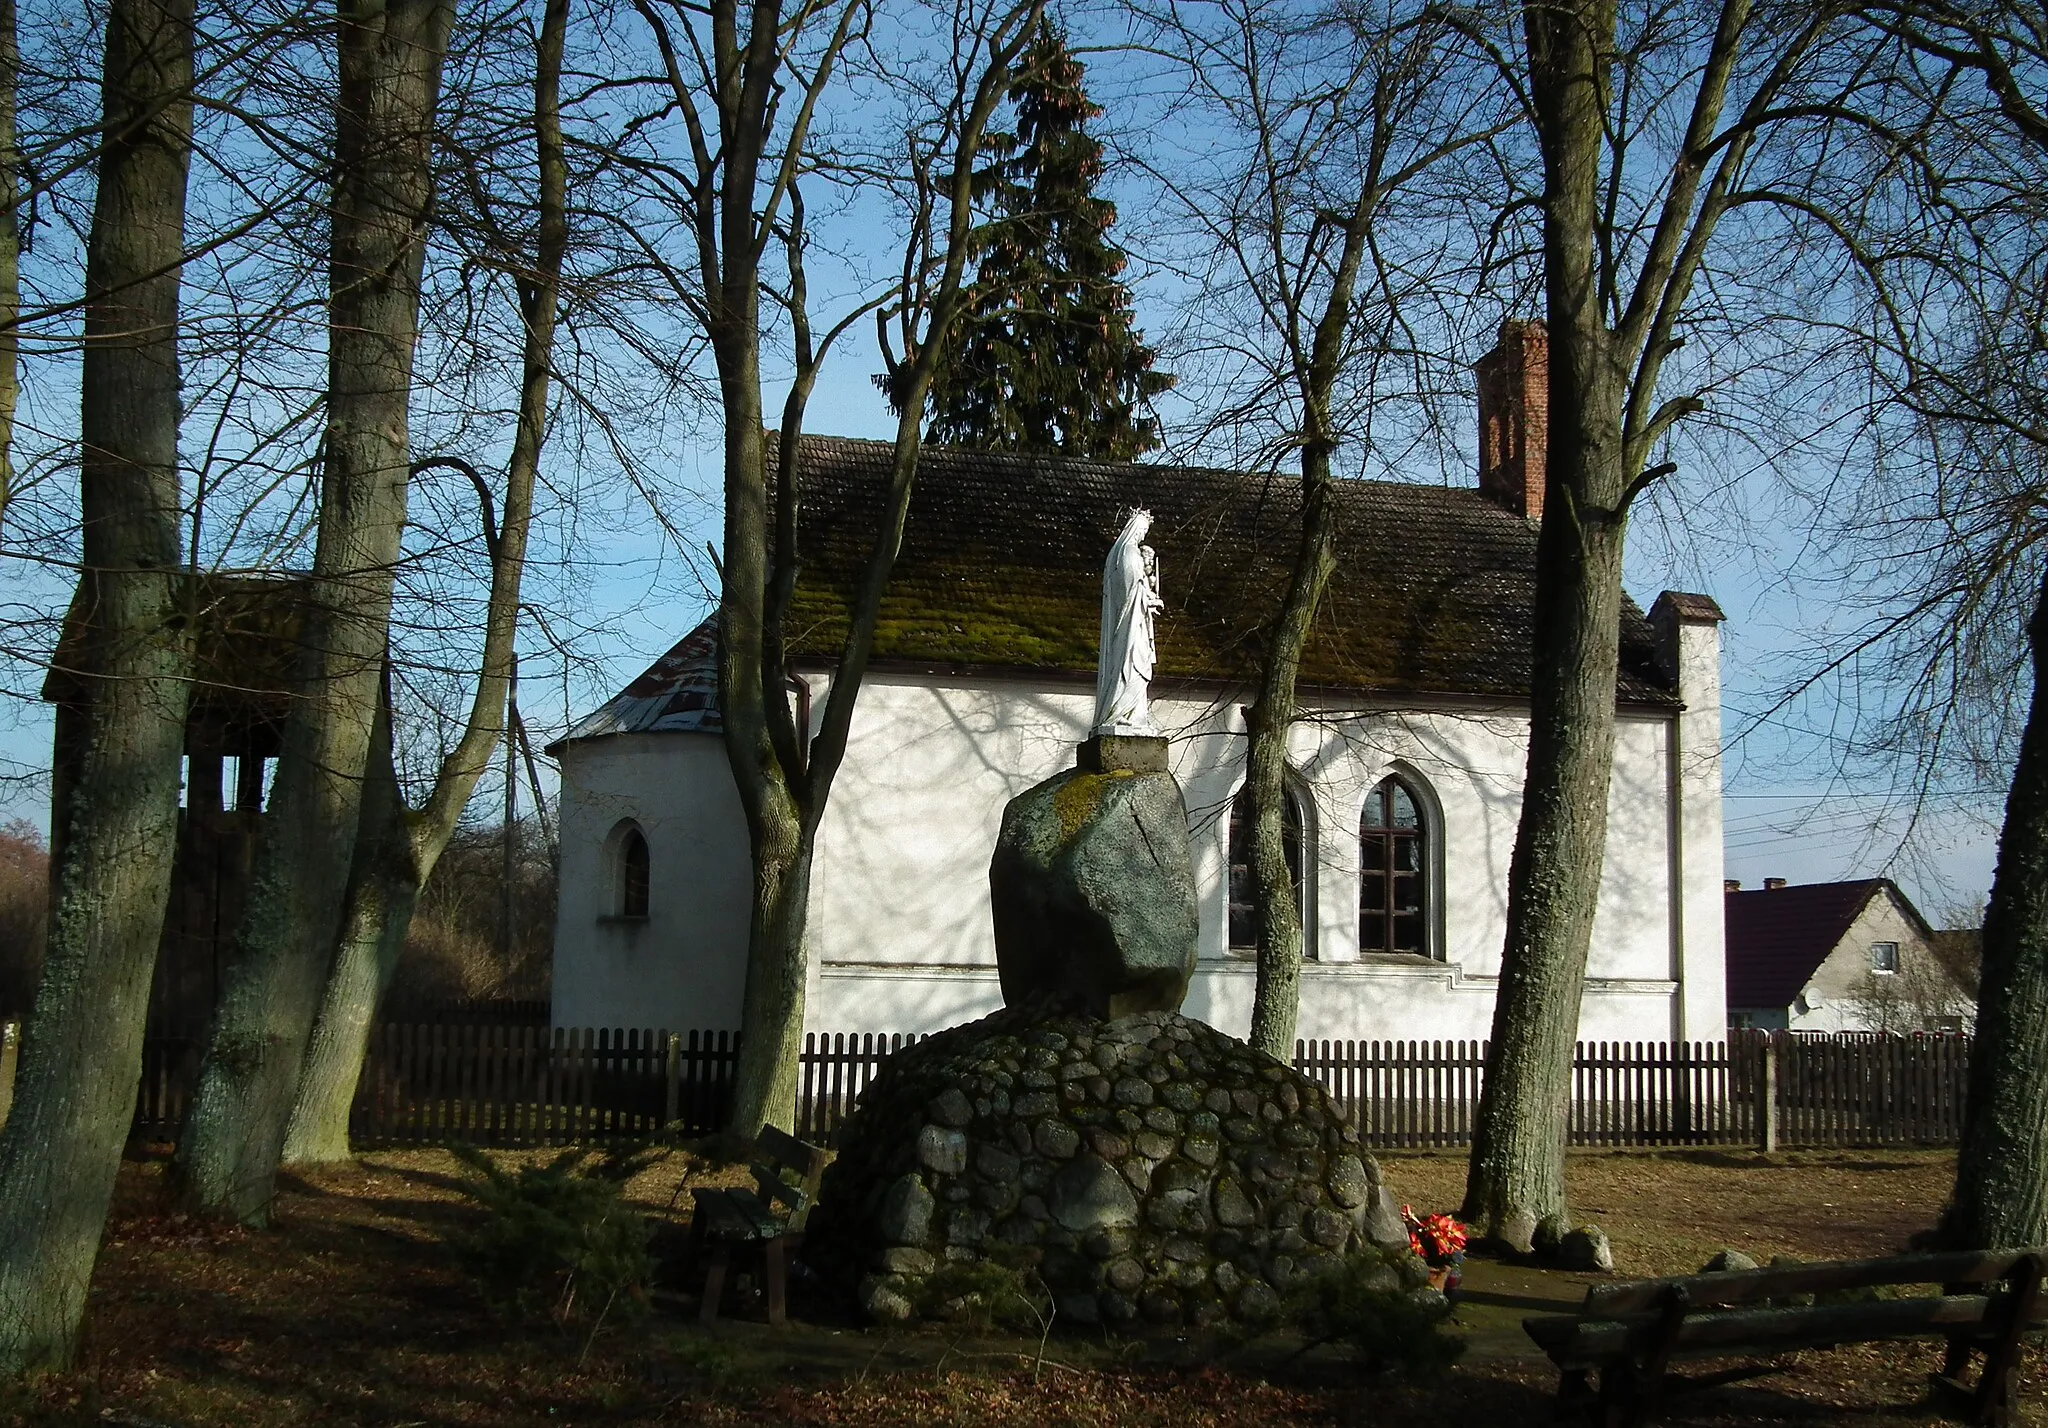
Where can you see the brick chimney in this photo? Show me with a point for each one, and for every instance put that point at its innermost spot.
(1731, 885)
(1773, 884)
(1514, 417)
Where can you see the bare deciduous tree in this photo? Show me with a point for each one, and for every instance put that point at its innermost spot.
(748, 83)
(121, 723)
(1647, 127)
(1335, 140)
(390, 69)
(400, 846)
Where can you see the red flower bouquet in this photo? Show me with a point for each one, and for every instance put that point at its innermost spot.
(1439, 1239)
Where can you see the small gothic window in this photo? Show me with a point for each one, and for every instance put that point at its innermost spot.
(1391, 867)
(633, 874)
(1244, 912)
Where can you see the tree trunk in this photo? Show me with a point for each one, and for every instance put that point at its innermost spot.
(1515, 1186)
(1516, 1182)
(1277, 997)
(119, 741)
(382, 891)
(772, 1009)
(407, 847)
(772, 1003)
(390, 72)
(2000, 1200)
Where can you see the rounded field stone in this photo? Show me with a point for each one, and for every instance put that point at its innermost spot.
(1108, 1144)
(881, 1300)
(1257, 1303)
(1159, 1304)
(1233, 1207)
(1347, 1181)
(906, 1217)
(951, 1108)
(1089, 1194)
(1327, 1227)
(942, 1151)
(1034, 1103)
(1152, 1145)
(1056, 1140)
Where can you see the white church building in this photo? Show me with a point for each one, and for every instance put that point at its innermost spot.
(1407, 759)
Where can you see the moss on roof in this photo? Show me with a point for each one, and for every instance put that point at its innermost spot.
(1001, 565)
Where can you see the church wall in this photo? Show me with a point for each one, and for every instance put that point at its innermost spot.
(900, 913)
(681, 966)
(900, 925)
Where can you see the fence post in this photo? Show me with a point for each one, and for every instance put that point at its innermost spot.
(672, 1075)
(1767, 1094)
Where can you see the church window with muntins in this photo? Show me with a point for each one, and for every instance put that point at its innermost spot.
(633, 874)
(1392, 871)
(1244, 912)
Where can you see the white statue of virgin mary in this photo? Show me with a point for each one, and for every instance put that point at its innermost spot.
(1130, 598)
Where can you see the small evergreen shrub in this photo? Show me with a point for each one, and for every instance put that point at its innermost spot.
(558, 1237)
(1370, 1301)
(981, 1295)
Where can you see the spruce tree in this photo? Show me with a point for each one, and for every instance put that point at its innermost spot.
(1047, 357)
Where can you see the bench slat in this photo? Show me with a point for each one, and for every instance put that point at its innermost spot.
(771, 1186)
(737, 1213)
(1572, 1342)
(1747, 1286)
(801, 1156)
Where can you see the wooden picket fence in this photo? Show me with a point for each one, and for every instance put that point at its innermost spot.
(1854, 1090)
(530, 1085)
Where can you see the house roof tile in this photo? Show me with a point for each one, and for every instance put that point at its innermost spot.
(1002, 558)
(1001, 566)
(1778, 937)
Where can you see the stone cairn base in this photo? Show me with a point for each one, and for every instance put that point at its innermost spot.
(1151, 1167)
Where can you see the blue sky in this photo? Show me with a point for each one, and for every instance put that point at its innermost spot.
(638, 586)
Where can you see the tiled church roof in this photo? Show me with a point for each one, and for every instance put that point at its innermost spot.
(1002, 558)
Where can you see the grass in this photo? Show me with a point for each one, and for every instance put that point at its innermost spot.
(352, 1311)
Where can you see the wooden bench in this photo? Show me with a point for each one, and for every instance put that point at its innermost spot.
(1631, 1332)
(768, 1218)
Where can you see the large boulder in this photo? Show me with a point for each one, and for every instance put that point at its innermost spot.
(1147, 1167)
(1094, 894)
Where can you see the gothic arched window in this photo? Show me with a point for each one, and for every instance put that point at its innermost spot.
(1393, 882)
(1244, 913)
(633, 874)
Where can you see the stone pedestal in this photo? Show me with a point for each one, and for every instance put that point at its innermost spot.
(1093, 888)
(1121, 753)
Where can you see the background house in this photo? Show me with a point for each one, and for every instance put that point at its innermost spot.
(1408, 758)
(1847, 956)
